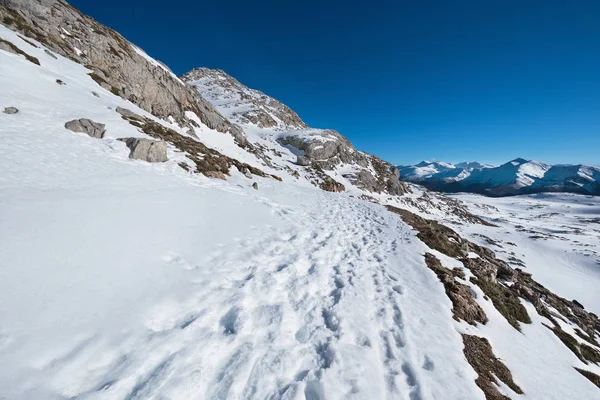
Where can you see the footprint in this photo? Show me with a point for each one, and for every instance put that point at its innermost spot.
(428, 364)
(231, 322)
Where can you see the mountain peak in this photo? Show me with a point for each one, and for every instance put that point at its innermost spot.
(518, 161)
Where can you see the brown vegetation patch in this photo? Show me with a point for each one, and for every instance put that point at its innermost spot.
(432, 233)
(16, 50)
(488, 271)
(505, 300)
(464, 305)
(331, 185)
(209, 162)
(479, 354)
(584, 352)
(595, 379)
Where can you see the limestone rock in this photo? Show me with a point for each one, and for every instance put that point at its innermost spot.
(147, 150)
(128, 113)
(303, 161)
(330, 185)
(87, 126)
(11, 110)
(118, 65)
(247, 173)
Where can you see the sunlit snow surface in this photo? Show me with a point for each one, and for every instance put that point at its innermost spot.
(126, 280)
(557, 236)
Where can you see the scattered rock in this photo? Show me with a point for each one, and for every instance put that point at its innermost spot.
(247, 173)
(60, 82)
(128, 113)
(303, 161)
(255, 186)
(95, 94)
(87, 126)
(330, 185)
(11, 110)
(147, 150)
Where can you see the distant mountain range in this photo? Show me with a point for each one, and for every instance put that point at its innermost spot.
(518, 176)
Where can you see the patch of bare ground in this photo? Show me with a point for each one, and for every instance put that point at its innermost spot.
(10, 47)
(464, 305)
(595, 379)
(208, 161)
(479, 354)
(505, 286)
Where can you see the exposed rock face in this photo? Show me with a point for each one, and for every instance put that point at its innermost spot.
(11, 110)
(117, 65)
(87, 126)
(259, 109)
(147, 150)
(327, 149)
(330, 185)
(303, 161)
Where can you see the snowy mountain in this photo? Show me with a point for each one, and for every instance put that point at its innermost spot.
(518, 176)
(162, 238)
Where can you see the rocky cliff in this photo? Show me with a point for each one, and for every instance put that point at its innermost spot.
(114, 63)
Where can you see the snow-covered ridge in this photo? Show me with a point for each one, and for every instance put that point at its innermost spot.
(241, 104)
(124, 279)
(514, 177)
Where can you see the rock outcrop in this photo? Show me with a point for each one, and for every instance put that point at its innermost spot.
(115, 64)
(152, 151)
(11, 110)
(259, 109)
(87, 126)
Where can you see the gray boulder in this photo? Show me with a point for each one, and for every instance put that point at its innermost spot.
(147, 150)
(247, 173)
(127, 113)
(87, 126)
(255, 186)
(11, 110)
(303, 161)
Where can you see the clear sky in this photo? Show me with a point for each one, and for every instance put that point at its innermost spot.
(407, 80)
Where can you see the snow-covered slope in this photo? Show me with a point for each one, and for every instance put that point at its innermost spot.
(125, 279)
(279, 136)
(518, 176)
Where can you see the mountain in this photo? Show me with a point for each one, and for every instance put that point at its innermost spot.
(189, 237)
(518, 176)
(270, 124)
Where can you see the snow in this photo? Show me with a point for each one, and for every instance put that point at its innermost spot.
(155, 62)
(556, 236)
(121, 279)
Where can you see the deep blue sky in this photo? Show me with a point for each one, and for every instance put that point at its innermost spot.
(452, 80)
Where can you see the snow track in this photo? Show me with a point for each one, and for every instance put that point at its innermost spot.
(313, 308)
